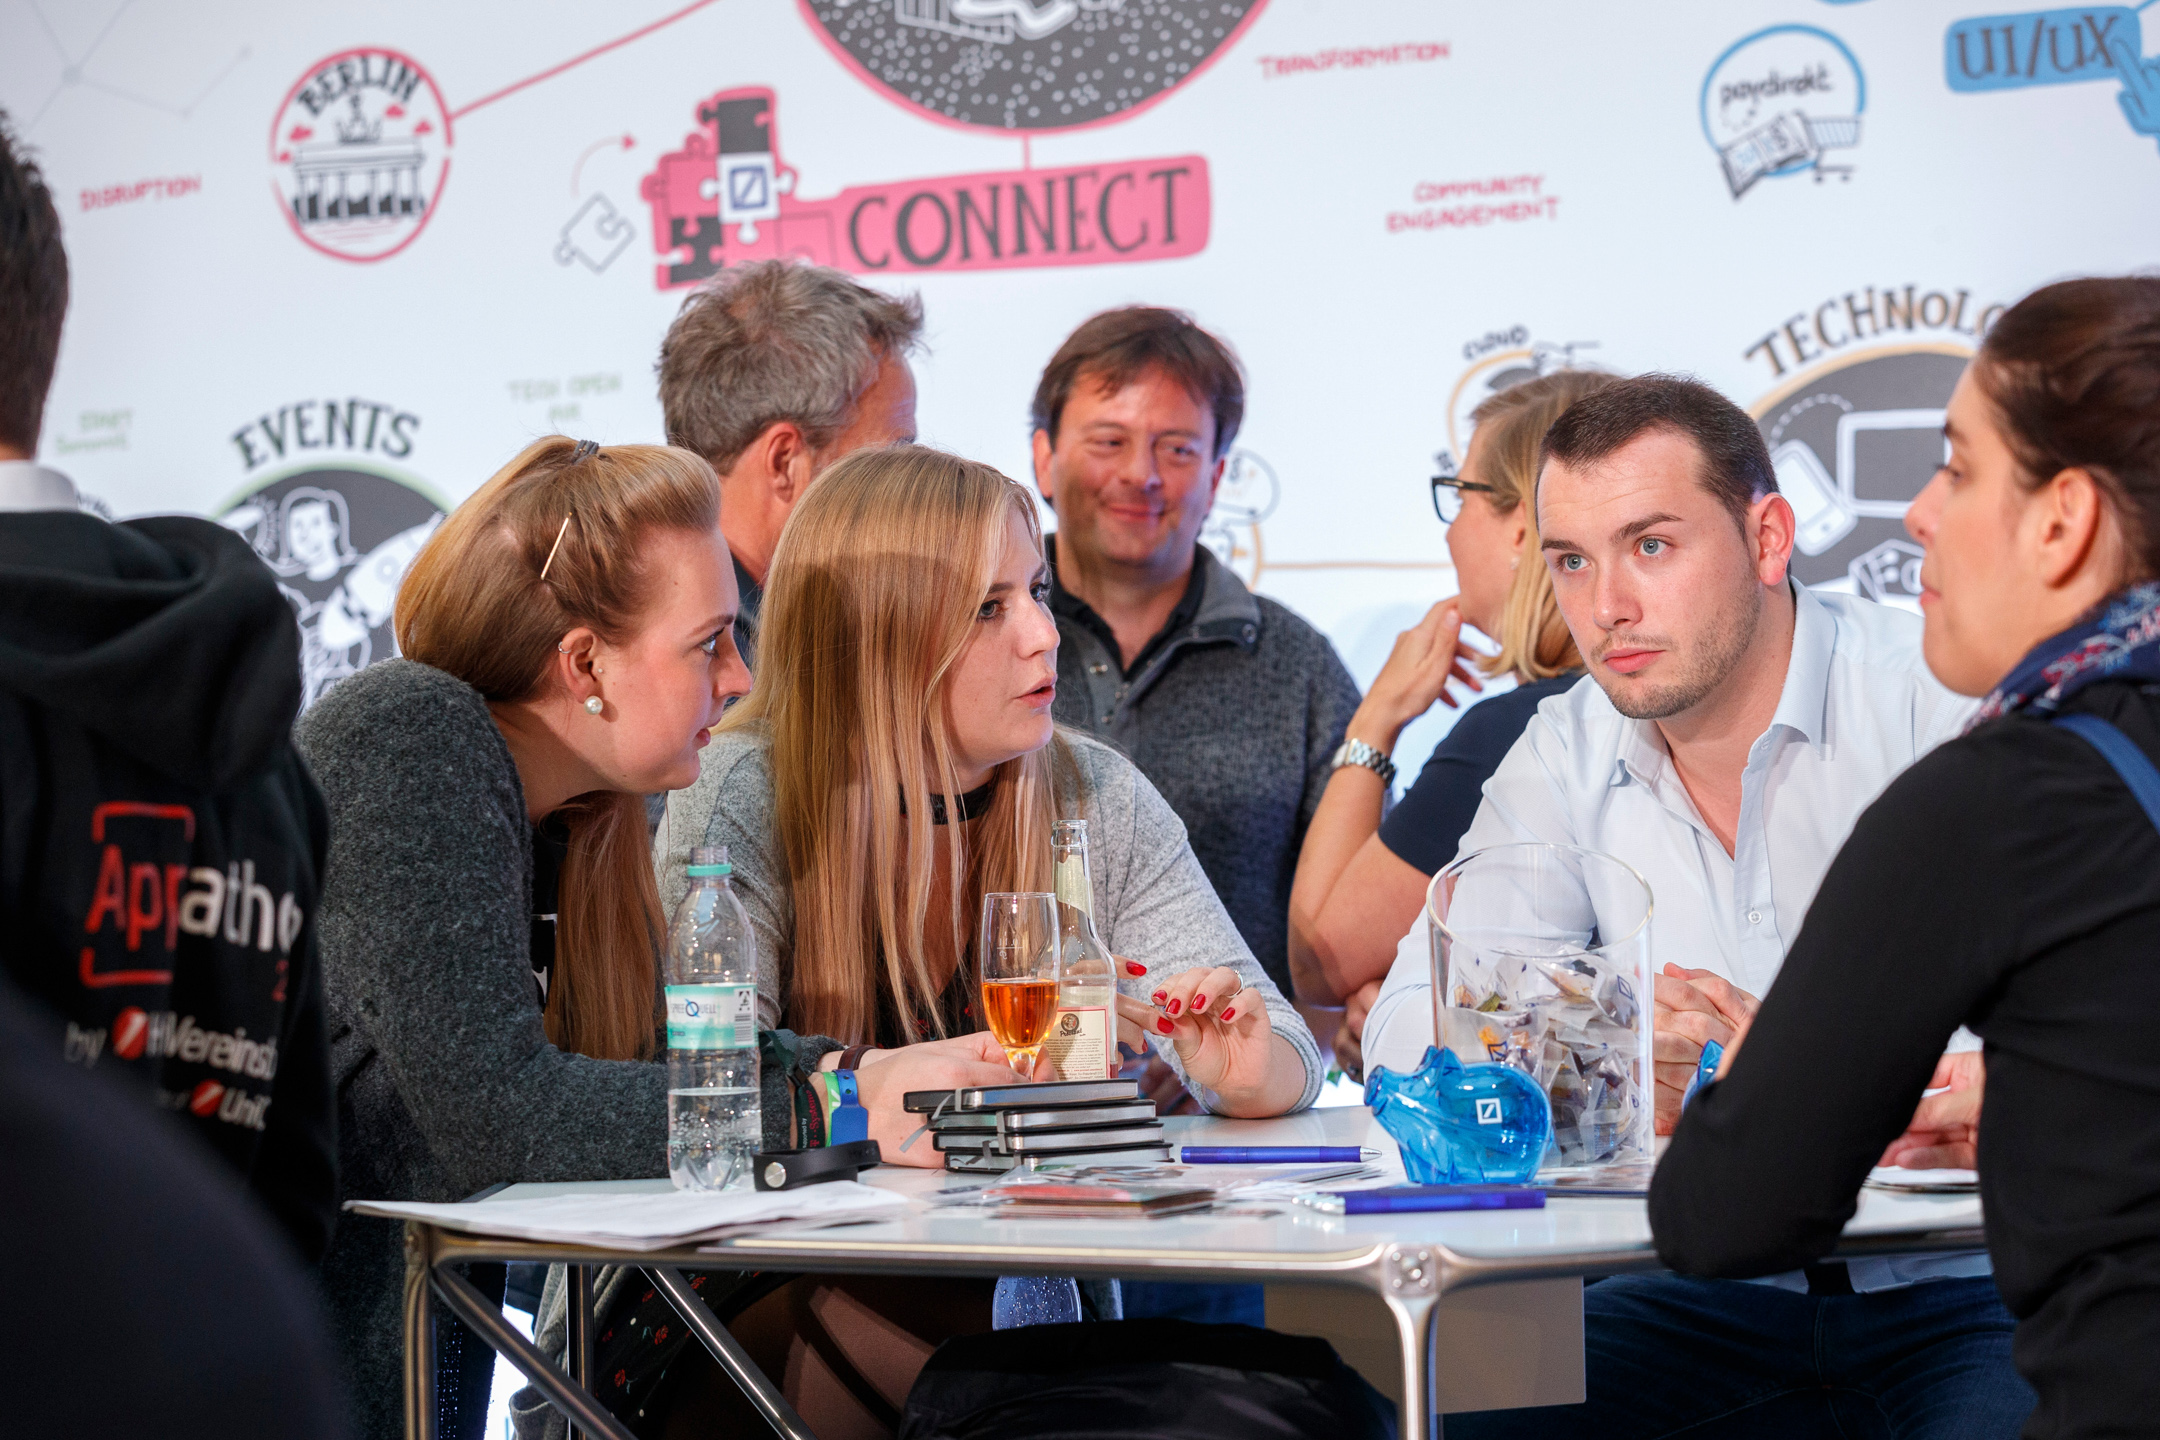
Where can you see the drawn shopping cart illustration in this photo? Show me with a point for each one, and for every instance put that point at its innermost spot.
(1827, 507)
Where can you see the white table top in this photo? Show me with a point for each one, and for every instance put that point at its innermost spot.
(1581, 1235)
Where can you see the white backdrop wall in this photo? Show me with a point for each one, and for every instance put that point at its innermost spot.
(368, 251)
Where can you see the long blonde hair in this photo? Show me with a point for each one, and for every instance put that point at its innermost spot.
(871, 599)
(1534, 639)
(475, 604)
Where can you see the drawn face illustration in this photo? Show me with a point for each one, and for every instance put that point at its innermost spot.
(311, 538)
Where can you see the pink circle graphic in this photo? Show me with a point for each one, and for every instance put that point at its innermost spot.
(359, 153)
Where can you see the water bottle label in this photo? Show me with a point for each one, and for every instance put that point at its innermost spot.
(711, 1017)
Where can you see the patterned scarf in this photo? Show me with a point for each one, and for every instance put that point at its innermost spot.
(2122, 644)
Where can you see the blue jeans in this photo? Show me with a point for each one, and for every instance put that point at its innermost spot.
(1668, 1355)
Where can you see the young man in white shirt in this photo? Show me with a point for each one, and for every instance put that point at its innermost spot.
(1732, 728)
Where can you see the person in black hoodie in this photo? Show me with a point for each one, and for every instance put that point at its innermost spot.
(161, 846)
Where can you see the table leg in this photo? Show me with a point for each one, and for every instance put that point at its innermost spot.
(419, 1333)
(579, 1323)
(1410, 1284)
(572, 1398)
(730, 1355)
(1414, 1322)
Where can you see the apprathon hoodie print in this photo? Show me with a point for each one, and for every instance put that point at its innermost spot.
(161, 844)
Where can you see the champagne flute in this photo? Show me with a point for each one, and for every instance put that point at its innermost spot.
(1019, 946)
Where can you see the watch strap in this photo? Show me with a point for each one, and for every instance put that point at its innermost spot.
(1357, 752)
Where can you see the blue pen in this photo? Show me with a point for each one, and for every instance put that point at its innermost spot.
(1275, 1154)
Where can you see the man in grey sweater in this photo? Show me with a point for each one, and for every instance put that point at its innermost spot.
(1230, 703)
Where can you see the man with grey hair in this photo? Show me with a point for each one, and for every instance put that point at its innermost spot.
(772, 372)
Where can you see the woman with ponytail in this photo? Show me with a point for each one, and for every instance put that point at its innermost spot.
(2008, 882)
(490, 930)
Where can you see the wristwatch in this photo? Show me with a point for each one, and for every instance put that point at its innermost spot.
(1357, 752)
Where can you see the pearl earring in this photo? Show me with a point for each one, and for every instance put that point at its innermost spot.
(593, 705)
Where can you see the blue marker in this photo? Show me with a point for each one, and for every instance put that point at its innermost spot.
(1406, 1199)
(1713, 1055)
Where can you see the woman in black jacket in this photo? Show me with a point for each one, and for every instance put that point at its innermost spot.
(2009, 882)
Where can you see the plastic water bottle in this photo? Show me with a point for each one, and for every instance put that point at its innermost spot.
(714, 1127)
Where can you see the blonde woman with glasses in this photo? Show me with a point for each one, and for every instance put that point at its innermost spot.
(1362, 872)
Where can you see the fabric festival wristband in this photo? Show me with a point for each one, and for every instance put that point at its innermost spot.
(828, 1099)
(809, 1113)
(850, 1122)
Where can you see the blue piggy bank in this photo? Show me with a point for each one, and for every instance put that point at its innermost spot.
(1463, 1125)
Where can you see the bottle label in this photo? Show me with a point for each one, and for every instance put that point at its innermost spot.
(711, 1017)
(1078, 1044)
(1072, 884)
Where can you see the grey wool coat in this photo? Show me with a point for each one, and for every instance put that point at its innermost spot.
(446, 1082)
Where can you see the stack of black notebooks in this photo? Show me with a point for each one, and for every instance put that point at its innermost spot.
(999, 1127)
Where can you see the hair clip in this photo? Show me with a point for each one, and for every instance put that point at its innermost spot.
(586, 449)
(565, 528)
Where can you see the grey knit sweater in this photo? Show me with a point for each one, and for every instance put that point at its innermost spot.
(1152, 901)
(446, 1083)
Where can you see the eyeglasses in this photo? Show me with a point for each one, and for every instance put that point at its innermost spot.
(1448, 487)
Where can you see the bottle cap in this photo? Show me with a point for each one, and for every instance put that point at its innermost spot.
(709, 860)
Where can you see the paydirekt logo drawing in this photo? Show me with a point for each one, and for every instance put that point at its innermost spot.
(2057, 47)
(728, 197)
(359, 153)
(1777, 100)
(1028, 65)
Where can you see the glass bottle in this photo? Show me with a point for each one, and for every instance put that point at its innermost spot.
(1083, 1037)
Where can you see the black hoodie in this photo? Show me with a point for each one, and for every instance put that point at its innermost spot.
(161, 845)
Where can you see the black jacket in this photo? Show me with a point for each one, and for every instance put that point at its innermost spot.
(2009, 882)
(161, 846)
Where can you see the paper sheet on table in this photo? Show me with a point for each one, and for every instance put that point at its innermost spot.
(640, 1221)
(1924, 1182)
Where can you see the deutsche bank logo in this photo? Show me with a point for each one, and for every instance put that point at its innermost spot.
(1488, 1112)
(747, 187)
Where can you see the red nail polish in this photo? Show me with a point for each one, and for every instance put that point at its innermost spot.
(1164, 1025)
(1199, 1002)
(1227, 1015)
(1135, 969)
(1161, 997)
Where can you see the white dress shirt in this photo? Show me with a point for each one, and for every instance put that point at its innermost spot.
(27, 485)
(1857, 707)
